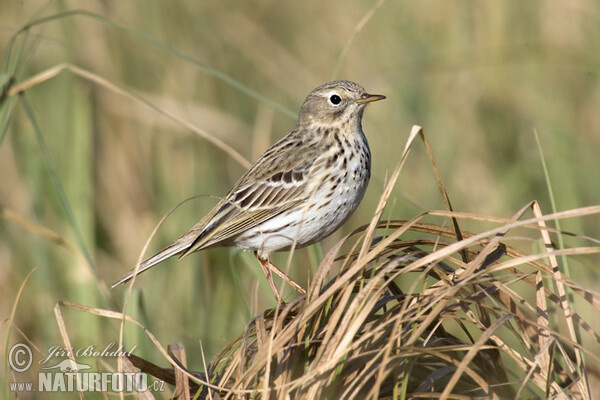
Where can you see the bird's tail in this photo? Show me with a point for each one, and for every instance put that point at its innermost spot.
(176, 247)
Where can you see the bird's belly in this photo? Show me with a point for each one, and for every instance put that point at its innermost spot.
(311, 221)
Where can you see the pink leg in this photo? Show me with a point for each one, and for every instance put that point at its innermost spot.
(265, 269)
(267, 266)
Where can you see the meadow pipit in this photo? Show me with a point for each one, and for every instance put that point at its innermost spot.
(298, 192)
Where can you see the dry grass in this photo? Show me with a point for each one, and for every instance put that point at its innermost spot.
(459, 329)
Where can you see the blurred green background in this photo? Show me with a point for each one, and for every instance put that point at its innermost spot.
(480, 77)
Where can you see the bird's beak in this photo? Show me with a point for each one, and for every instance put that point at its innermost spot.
(367, 98)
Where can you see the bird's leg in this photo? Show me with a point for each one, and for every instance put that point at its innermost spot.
(286, 278)
(267, 265)
(267, 272)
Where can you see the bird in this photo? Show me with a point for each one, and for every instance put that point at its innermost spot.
(301, 190)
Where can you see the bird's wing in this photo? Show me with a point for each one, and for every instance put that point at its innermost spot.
(277, 182)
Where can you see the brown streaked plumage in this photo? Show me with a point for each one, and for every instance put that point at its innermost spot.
(298, 192)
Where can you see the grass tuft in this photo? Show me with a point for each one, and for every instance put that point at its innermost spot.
(411, 317)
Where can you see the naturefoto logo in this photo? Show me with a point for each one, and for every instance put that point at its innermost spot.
(69, 365)
(69, 375)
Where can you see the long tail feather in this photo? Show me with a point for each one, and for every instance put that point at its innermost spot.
(177, 247)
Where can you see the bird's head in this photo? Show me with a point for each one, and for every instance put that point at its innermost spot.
(335, 103)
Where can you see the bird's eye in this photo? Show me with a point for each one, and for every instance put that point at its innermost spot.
(335, 99)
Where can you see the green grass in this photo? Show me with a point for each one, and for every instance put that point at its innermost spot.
(146, 104)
